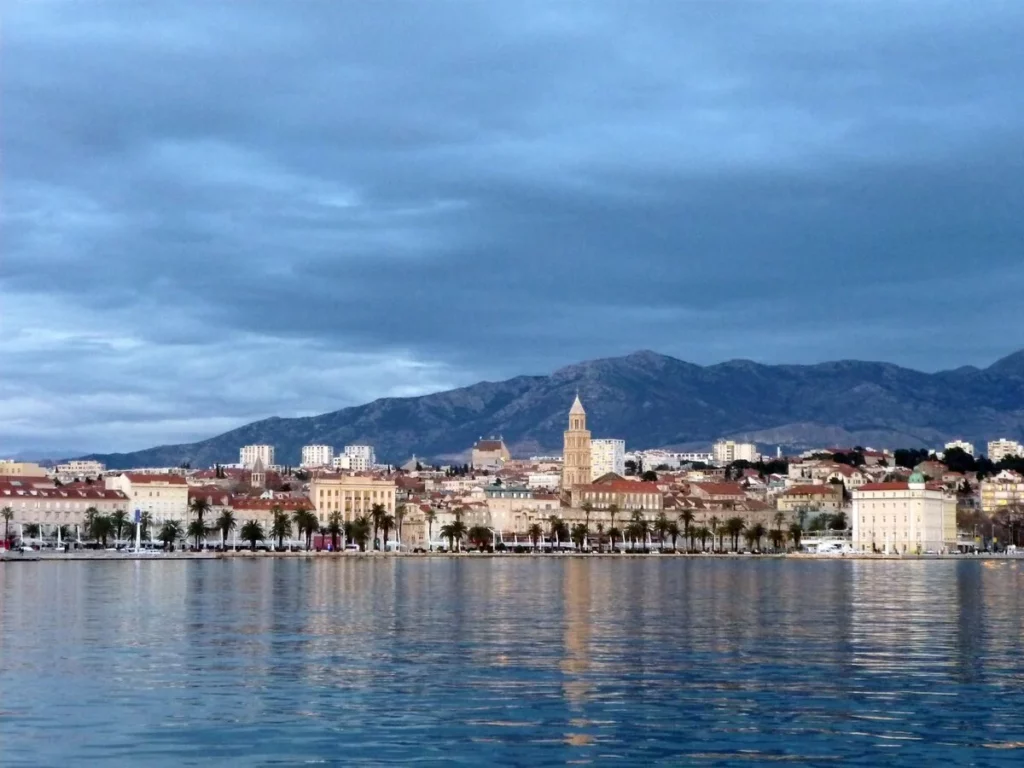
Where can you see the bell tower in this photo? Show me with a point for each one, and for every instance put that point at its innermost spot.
(576, 449)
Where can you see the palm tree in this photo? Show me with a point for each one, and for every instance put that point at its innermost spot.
(306, 524)
(454, 533)
(587, 508)
(226, 523)
(673, 531)
(554, 527)
(600, 539)
(199, 506)
(536, 533)
(779, 518)
(703, 534)
(8, 515)
(400, 512)
(613, 510)
(777, 538)
(170, 532)
(686, 518)
(430, 516)
(252, 532)
(377, 512)
(578, 534)
(479, 536)
(387, 522)
(757, 533)
(119, 521)
(334, 528)
(796, 532)
(661, 528)
(715, 531)
(734, 526)
(281, 525)
(31, 530)
(197, 531)
(361, 531)
(90, 517)
(639, 528)
(614, 532)
(146, 521)
(102, 528)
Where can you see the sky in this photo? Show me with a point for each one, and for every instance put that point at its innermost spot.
(215, 212)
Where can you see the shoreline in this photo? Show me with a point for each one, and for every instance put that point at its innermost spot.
(40, 557)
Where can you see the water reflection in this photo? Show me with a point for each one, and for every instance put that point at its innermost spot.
(535, 661)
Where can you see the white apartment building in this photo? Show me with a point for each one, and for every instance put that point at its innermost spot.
(728, 451)
(249, 453)
(545, 480)
(360, 457)
(963, 445)
(904, 517)
(81, 467)
(607, 455)
(1000, 449)
(165, 497)
(317, 456)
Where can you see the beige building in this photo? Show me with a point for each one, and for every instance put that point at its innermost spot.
(165, 497)
(50, 507)
(728, 451)
(352, 495)
(1000, 449)
(248, 455)
(911, 517)
(811, 498)
(607, 456)
(490, 454)
(317, 456)
(1002, 491)
(576, 449)
(627, 495)
(81, 468)
(10, 468)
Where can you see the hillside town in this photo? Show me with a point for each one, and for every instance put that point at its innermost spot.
(595, 497)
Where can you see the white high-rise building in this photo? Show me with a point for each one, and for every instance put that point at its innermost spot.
(963, 445)
(249, 453)
(607, 455)
(317, 455)
(728, 451)
(1000, 449)
(360, 457)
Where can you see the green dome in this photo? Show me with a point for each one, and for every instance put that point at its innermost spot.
(917, 477)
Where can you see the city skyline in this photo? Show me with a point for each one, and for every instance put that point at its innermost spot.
(191, 229)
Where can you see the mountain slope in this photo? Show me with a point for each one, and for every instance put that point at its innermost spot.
(653, 400)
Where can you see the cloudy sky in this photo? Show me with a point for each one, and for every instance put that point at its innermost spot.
(214, 212)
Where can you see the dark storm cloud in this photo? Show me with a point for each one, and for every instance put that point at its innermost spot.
(218, 211)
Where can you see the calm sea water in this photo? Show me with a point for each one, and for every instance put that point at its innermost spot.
(517, 661)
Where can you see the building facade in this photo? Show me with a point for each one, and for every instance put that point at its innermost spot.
(963, 445)
(626, 495)
(490, 455)
(1004, 491)
(51, 507)
(607, 455)
(728, 451)
(165, 497)
(361, 458)
(351, 495)
(81, 468)
(250, 453)
(9, 468)
(1000, 449)
(576, 449)
(912, 517)
(317, 456)
(811, 498)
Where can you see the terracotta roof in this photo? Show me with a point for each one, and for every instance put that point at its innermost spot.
(904, 486)
(620, 486)
(141, 479)
(720, 489)
(95, 492)
(488, 445)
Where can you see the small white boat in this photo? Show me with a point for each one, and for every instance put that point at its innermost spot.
(834, 547)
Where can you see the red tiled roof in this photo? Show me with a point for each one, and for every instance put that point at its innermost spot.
(895, 486)
(720, 489)
(95, 492)
(142, 479)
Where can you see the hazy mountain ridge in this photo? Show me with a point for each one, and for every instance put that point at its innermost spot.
(654, 400)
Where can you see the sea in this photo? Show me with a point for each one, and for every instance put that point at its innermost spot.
(514, 660)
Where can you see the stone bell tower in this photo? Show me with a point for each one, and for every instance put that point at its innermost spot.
(576, 449)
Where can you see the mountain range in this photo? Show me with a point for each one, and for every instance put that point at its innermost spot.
(653, 400)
